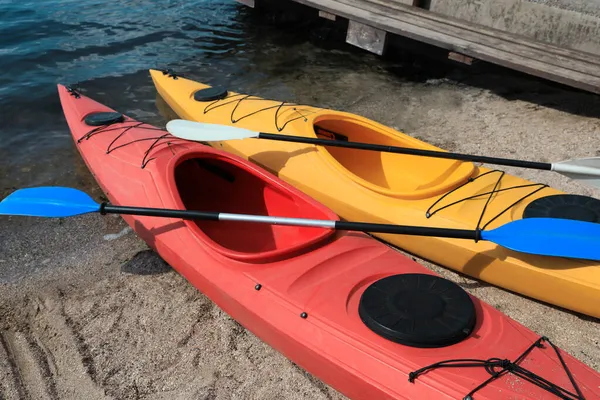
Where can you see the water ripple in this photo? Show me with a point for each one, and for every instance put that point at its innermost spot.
(64, 38)
(109, 47)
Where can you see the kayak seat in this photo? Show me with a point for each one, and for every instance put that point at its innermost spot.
(422, 177)
(216, 183)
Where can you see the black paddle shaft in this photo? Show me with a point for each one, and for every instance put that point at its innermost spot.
(159, 212)
(408, 230)
(330, 224)
(409, 151)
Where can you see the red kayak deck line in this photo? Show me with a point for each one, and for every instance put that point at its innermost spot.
(297, 288)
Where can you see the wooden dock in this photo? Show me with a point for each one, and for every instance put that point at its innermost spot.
(372, 22)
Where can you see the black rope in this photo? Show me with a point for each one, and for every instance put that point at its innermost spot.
(497, 367)
(277, 114)
(301, 116)
(91, 133)
(221, 102)
(171, 74)
(124, 129)
(155, 144)
(102, 129)
(73, 90)
(542, 186)
(429, 213)
(239, 98)
(487, 202)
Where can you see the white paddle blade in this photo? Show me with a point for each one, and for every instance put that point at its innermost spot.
(205, 132)
(586, 170)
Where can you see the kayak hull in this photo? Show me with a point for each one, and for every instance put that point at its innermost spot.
(442, 193)
(301, 299)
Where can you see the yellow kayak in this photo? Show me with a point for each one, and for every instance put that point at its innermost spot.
(377, 187)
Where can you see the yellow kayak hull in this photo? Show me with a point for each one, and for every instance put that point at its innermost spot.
(370, 186)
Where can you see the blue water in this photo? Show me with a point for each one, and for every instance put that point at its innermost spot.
(47, 42)
(108, 47)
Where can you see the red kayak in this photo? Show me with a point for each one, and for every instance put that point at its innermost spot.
(360, 316)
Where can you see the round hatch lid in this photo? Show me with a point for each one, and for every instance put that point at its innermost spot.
(103, 118)
(565, 206)
(418, 310)
(210, 94)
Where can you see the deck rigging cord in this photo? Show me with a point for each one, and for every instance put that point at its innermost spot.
(506, 366)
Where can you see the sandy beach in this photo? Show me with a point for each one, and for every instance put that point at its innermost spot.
(99, 316)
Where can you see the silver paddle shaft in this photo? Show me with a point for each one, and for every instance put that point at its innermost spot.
(318, 223)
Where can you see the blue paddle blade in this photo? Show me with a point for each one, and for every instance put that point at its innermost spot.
(50, 202)
(549, 237)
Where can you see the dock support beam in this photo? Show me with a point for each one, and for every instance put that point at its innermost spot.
(325, 14)
(461, 58)
(366, 37)
(249, 3)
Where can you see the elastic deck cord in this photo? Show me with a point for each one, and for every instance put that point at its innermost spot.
(506, 366)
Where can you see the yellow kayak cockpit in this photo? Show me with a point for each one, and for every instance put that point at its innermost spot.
(398, 175)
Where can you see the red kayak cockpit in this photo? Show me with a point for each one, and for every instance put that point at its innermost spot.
(207, 181)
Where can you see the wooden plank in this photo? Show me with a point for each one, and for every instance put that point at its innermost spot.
(406, 2)
(494, 36)
(550, 54)
(366, 37)
(460, 58)
(446, 21)
(550, 62)
(483, 30)
(324, 14)
(249, 3)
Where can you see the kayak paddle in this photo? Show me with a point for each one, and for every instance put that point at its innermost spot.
(586, 170)
(542, 236)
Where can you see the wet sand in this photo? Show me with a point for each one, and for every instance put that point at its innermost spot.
(98, 315)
